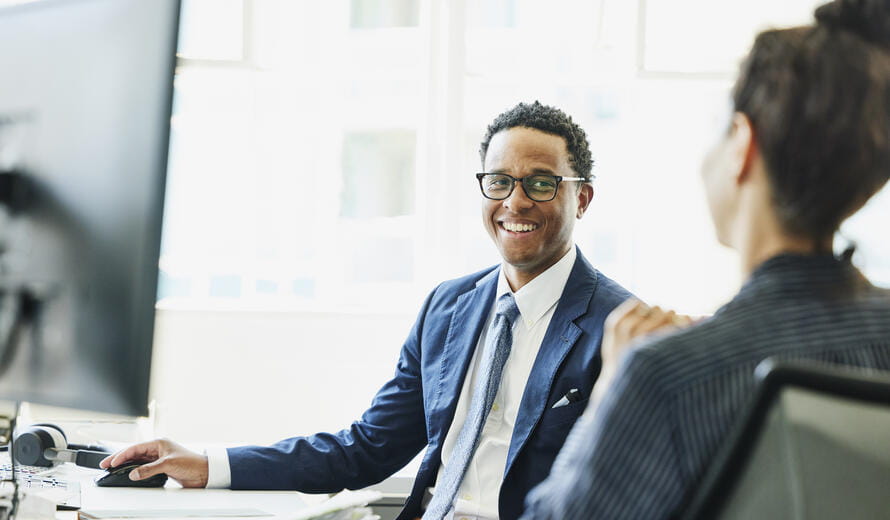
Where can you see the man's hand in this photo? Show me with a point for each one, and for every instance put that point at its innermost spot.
(163, 456)
(624, 326)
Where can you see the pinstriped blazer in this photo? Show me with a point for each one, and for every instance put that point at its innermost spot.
(676, 397)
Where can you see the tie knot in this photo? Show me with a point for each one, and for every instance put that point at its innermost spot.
(507, 307)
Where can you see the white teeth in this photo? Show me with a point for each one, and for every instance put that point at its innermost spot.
(519, 228)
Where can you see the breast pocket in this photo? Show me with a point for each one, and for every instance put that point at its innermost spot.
(562, 416)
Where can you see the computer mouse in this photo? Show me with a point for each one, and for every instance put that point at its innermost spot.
(119, 476)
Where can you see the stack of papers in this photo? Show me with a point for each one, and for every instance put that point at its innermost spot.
(103, 514)
(346, 505)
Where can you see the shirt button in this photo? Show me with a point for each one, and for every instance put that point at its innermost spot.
(495, 407)
(467, 497)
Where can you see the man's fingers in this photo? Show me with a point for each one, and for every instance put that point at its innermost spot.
(149, 469)
(106, 462)
(145, 451)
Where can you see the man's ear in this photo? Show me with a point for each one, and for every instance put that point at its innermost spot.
(743, 146)
(585, 195)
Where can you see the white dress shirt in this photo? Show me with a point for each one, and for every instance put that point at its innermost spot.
(477, 498)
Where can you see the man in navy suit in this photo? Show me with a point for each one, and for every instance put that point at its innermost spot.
(536, 183)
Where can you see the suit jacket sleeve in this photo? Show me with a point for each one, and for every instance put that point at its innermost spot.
(389, 434)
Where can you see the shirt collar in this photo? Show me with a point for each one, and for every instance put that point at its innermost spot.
(800, 277)
(536, 297)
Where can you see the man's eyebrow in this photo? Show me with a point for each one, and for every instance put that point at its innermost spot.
(535, 171)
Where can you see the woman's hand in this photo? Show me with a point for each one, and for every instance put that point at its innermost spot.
(624, 327)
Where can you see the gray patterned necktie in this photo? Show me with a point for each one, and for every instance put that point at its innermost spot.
(497, 348)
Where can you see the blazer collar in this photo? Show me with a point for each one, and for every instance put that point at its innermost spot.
(558, 341)
(539, 295)
(470, 313)
(467, 320)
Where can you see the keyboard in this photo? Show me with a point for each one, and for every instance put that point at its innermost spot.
(42, 481)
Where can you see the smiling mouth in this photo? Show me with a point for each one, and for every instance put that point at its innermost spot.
(518, 228)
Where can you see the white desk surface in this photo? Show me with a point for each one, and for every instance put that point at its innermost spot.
(173, 497)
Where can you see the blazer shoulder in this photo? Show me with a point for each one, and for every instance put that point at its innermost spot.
(442, 301)
(606, 292)
(610, 290)
(451, 289)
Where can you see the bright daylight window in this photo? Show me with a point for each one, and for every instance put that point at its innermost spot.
(323, 152)
(323, 161)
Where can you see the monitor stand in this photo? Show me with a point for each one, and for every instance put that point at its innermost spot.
(19, 306)
(19, 311)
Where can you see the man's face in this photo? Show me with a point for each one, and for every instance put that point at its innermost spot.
(531, 236)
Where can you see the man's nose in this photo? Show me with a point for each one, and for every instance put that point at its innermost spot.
(518, 200)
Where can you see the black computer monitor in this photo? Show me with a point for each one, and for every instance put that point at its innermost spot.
(85, 105)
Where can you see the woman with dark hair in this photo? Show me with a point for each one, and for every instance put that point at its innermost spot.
(808, 145)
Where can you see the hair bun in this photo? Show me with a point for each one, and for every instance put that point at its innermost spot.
(870, 19)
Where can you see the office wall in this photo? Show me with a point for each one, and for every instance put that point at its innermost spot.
(235, 377)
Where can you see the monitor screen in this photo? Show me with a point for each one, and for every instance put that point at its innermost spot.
(85, 105)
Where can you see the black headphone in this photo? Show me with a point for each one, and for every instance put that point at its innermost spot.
(46, 445)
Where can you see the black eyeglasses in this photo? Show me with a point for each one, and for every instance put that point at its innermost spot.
(539, 188)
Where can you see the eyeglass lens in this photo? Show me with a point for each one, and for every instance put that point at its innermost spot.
(538, 187)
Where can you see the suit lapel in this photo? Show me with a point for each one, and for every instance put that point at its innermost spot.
(562, 333)
(470, 312)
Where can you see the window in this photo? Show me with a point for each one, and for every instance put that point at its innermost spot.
(294, 155)
(316, 162)
(322, 165)
(378, 174)
(373, 14)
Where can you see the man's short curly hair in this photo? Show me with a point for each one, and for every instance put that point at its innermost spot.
(549, 120)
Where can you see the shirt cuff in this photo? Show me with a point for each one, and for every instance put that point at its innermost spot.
(218, 473)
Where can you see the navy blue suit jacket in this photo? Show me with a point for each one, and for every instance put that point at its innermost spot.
(415, 408)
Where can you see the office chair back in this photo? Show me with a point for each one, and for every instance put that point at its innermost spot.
(814, 445)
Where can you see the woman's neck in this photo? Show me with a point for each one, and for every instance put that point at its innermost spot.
(758, 247)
